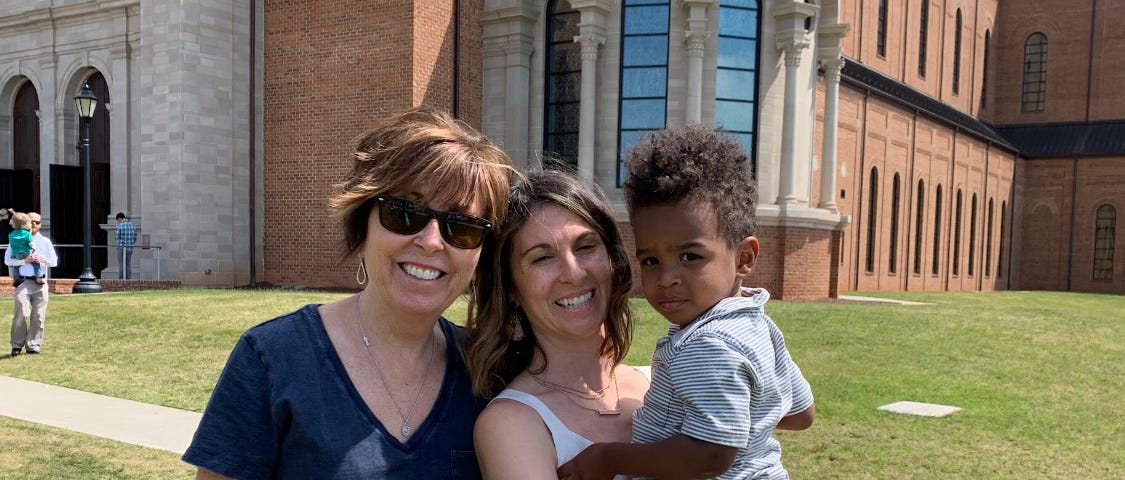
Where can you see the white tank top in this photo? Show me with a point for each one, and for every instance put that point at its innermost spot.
(567, 443)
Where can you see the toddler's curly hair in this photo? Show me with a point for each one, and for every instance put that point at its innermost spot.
(699, 164)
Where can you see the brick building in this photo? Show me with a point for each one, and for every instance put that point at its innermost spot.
(898, 144)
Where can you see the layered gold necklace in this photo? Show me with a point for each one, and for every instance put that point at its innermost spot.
(589, 394)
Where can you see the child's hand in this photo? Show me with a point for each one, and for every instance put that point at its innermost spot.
(589, 464)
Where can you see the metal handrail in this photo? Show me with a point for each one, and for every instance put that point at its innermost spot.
(158, 249)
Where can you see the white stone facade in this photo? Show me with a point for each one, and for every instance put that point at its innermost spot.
(180, 90)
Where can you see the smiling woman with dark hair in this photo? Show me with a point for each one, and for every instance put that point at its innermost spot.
(372, 386)
(550, 327)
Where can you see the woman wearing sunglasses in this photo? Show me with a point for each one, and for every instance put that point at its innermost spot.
(550, 329)
(372, 386)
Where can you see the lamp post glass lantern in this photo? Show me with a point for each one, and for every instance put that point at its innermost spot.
(86, 103)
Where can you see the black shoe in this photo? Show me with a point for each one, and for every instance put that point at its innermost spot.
(32, 352)
(16, 351)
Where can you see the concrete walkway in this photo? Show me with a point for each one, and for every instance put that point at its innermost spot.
(113, 418)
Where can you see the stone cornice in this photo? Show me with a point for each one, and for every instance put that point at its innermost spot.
(520, 13)
(96, 8)
(800, 216)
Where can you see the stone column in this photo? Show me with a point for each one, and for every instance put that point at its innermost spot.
(792, 39)
(787, 191)
(828, 149)
(118, 109)
(695, 37)
(517, 92)
(695, 42)
(591, 35)
(588, 112)
(509, 41)
(829, 54)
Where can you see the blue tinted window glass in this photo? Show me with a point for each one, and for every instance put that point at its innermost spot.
(738, 53)
(734, 84)
(646, 50)
(740, 23)
(641, 114)
(643, 82)
(630, 138)
(747, 141)
(741, 3)
(734, 116)
(646, 20)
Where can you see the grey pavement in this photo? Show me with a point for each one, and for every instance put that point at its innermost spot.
(113, 418)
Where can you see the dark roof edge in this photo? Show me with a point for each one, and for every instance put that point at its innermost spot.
(885, 87)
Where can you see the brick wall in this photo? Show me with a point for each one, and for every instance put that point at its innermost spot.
(331, 70)
(876, 135)
(1058, 202)
(903, 44)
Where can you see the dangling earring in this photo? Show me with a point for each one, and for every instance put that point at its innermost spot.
(361, 273)
(516, 326)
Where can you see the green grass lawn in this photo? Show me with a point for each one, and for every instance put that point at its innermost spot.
(1039, 375)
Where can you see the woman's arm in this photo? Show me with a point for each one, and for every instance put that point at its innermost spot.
(512, 442)
(205, 474)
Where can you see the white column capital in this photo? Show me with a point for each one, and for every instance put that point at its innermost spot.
(832, 68)
(590, 44)
(696, 40)
(793, 55)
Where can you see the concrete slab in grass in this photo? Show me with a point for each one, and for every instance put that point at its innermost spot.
(922, 409)
(857, 298)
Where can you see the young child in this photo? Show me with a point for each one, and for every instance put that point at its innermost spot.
(722, 379)
(19, 242)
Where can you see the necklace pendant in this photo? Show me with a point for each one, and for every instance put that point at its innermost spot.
(406, 429)
(608, 411)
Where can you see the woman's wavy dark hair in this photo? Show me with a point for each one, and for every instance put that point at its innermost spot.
(492, 356)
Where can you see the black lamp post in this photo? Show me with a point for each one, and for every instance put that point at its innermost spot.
(86, 103)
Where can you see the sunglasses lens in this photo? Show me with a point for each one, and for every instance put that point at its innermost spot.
(462, 231)
(401, 216)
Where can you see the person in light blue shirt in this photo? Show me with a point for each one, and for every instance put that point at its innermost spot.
(126, 236)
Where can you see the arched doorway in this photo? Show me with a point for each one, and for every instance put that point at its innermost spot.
(67, 194)
(19, 187)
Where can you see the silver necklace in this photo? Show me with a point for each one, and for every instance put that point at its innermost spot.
(406, 429)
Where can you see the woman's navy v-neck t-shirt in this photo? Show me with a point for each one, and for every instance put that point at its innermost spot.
(284, 407)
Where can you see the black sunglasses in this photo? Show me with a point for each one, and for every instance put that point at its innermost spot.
(407, 217)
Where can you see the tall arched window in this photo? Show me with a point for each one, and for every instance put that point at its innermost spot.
(562, 101)
(988, 242)
(1003, 230)
(919, 222)
(984, 69)
(1105, 233)
(937, 231)
(1035, 73)
(644, 73)
(892, 262)
(923, 40)
(24, 194)
(872, 212)
(881, 32)
(972, 234)
(736, 75)
(957, 53)
(957, 236)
